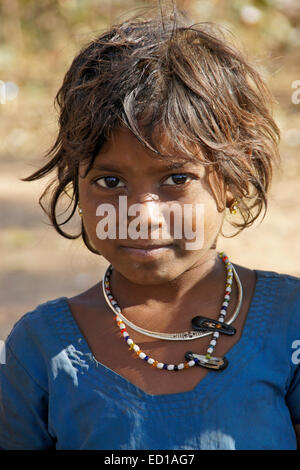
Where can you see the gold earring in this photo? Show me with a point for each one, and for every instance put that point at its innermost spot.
(233, 207)
(79, 210)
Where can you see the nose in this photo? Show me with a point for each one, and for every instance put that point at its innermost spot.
(148, 208)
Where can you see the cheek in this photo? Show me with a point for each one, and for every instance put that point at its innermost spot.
(97, 224)
(88, 204)
(204, 216)
(213, 218)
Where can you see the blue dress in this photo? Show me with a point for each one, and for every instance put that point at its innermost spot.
(55, 395)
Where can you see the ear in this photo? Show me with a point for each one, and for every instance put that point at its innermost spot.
(229, 198)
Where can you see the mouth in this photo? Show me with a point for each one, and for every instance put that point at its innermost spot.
(147, 250)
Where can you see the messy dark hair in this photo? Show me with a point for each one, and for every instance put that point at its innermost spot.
(188, 81)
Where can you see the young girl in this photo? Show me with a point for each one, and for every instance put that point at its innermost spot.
(176, 348)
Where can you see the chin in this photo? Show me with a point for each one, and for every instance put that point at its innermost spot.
(149, 269)
(148, 274)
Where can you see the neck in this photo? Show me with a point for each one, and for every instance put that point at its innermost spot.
(198, 283)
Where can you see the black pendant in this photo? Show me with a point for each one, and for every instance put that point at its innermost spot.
(214, 363)
(208, 324)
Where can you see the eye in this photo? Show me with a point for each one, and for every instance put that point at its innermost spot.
(109, 182)
(177, 179)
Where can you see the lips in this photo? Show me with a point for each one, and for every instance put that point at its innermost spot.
(147, 252)
(147, 247)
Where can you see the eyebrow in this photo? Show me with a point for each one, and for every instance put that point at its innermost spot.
(111, 167)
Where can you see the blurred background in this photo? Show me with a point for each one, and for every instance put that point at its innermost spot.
(38, 40)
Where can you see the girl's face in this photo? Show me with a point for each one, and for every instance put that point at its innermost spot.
(151, 245)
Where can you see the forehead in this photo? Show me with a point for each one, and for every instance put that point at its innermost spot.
(125, 154)
(123, 148)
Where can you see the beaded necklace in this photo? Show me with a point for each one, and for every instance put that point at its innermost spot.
(186, 335)
(205, 325)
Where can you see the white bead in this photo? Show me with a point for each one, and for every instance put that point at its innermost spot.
(125, 333)
(150, 360)
(129, 341)
(160, 365)
(170, 367)
(229, 281)
(223, 311)
(180, 366)
(136, 348)
(142, 355)
(227, 297)
(210, 350)
(118, 319)
(221, 320)
(213, 342)
(216, 334)
(121, 326)
(191, 363)
(225, 303)
(228, 289)
(117, 309)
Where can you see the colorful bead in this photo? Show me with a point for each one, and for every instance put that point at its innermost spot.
(150, 360)
(186, 365)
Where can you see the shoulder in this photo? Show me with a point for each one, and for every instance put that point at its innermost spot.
(279, 295)
(285, 286)
(25, 380)
(34, 337)
(42, 317)
(270, 289)
(281, 277)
